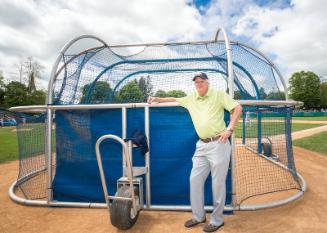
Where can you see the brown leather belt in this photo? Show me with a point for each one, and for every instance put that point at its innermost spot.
(206, 140)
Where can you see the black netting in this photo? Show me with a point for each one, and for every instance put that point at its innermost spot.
(263, 158)
(30, 131)
(102, 76)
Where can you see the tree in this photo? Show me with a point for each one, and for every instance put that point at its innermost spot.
(37, 97)
(130, 93)
(20, 68)
(276, 95)
(237, 95)
(145, 87)
(262, 93)
(2, 80)
(33, 70)
(135, 91)
(305, 87)
(172, 93)
(2, 89)
(323, 95)
(15, 94)
(29, 70)
(160, 93)
(176, 93)
(100, 93)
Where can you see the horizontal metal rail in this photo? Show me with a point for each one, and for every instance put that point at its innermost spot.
(24, 201)
(120, 198)
(43, 108)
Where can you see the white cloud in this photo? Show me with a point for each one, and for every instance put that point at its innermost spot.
(40, 28)
(223, 13)
(296, 36)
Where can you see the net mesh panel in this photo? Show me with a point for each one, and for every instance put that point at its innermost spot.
(32, 177)
(263, 159)
(102, 75)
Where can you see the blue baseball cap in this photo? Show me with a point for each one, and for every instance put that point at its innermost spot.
(200, 75)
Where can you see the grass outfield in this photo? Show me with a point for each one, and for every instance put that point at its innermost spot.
(271, 128)
(299, 126)
(32, 135)
(8, 144)
(319, 118)
(315, 142)
(322, 118)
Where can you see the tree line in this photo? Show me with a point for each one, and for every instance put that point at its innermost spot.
(307, 87)
(272, 95)
(304, 86)
(134, 91)
(22, 92)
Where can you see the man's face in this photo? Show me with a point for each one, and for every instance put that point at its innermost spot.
(201, 86)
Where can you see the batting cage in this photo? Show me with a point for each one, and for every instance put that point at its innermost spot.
(82, 148)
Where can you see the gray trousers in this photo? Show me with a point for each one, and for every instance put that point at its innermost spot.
(209, 157)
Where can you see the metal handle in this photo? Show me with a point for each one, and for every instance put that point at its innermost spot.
(126, 157)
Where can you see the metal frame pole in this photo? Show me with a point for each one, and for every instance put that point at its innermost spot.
(243, 127)
(147, 157)
(231, 93)
(124, 134)
(49, 101)
(259, 128)
(48, 151)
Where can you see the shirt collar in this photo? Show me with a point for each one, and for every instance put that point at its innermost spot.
(203, 97)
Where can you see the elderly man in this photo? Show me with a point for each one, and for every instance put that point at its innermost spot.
(206, 107)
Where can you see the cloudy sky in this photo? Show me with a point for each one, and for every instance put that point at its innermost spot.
(292, 33)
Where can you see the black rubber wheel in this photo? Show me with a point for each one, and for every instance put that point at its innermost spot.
(121, 210)
(267, 149)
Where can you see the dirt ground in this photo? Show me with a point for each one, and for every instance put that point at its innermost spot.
(307, 215)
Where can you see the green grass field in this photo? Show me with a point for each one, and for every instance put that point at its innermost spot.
(32, 136)
(8, 142)
(322, 118)
(315, 142)
(271, 128)
(299, 126)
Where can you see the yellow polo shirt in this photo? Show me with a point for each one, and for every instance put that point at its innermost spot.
(207, 112)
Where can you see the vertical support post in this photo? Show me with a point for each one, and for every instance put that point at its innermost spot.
(48, 152)
(147, 157)
(243, 127)
(259, 131)
(124, 134)
(130, 151)
(231, 93)
(289, 146)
